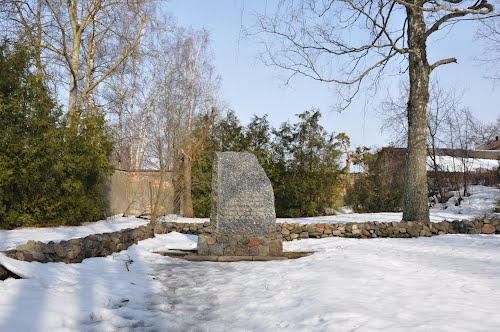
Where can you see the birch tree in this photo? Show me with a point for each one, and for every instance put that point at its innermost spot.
(83, 40)
(348, 42)
(190, 93)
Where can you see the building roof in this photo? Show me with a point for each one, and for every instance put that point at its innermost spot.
(491, 145)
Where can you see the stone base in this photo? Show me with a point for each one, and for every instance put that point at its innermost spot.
(198, 258)
(240, 245)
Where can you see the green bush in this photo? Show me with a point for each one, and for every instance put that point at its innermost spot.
(50, 173)
(300, 159)
(381, 189)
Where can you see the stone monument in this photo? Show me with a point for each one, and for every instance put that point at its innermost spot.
(243, 214)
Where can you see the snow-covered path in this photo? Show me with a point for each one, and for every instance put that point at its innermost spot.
(444, 283)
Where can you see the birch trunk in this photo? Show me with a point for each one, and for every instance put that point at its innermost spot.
(74, 62)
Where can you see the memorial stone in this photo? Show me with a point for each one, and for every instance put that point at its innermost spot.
(243, 212)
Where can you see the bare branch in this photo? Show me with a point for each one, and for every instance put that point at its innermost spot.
(443, 62)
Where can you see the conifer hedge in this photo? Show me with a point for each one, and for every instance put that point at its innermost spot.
(50, 173)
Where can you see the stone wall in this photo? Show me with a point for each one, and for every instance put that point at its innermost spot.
(100, 245)
(76, 250)
(372, 229)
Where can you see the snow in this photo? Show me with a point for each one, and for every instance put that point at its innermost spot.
(444, 283)
(11, 239)
(454, 164)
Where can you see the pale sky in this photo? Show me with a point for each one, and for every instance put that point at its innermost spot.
(250, 87)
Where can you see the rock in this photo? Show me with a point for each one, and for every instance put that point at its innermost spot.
(276, 248)
(240, 250)
(217, 249)
(311, 229)
(60, 250)
(242, 195)
(304, 235)
(203, 248)
(30, 246)
(39, 257)
(488, 229)
(254, 243)
(229, 251)
(210, 240)
(24, 256)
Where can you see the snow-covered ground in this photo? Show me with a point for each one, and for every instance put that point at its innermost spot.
(454, 164)
(444, 283)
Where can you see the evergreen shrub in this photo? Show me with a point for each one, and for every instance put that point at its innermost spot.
(50, 173)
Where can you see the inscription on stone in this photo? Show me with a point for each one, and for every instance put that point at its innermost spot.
(242, 195)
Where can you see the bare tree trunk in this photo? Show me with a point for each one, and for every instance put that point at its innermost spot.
(187, 199)
(415, 197)
(73, 81)
(38, 38)
(437, 173)
(74, 61)
(88, 100)
(439, 179)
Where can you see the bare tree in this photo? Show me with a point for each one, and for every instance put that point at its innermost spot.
(165, 97)
(197, 86)
(490, 34)
(85, 41)
(485, 132)
(345, 42)
(451, 130)
(442, 105)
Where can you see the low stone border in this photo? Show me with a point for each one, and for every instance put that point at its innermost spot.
(100, 245)
(191, 255)
(197, 258)
(76, 250)
(372, 229)
(376, 229)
